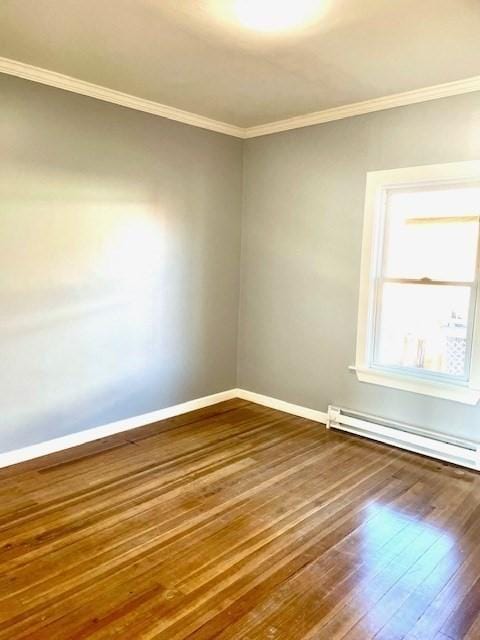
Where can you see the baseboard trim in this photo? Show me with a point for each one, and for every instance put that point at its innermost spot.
(75, 439)
(81, 437)
(281, 405)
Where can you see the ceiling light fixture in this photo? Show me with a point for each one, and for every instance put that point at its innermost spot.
(276, 15)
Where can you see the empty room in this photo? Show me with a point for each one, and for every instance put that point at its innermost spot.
(239, 320)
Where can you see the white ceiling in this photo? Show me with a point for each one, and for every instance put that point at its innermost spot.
(195, 55)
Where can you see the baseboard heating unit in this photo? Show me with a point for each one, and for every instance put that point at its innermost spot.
(462, 452)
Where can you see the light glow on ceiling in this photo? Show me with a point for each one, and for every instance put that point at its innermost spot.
(276, 15)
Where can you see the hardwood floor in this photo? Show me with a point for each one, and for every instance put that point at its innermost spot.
(238, 522)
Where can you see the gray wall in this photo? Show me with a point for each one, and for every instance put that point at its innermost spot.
(119, 262)
(120, 248)
(301, 242)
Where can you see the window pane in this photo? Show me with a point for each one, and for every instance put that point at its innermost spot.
(432, 233)
(424, 326)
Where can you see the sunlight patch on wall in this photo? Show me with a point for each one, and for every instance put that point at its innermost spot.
(84, 273)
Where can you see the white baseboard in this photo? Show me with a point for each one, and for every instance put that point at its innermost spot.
(81, 437)
(75, 439)
(274, 403)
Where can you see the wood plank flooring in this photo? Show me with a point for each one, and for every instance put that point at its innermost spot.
(238, 522)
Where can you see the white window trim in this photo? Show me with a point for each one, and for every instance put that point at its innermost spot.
(377, 183)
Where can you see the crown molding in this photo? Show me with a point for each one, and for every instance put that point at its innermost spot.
(446, 90)
(60, 81)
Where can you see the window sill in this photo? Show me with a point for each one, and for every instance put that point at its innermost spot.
(465, 395)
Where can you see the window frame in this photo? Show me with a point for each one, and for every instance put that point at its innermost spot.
(437, 384)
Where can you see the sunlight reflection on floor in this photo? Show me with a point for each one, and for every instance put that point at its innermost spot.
(407, 562)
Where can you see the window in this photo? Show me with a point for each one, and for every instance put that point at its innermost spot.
(418, 308)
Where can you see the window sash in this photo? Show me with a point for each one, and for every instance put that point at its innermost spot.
(418, 371)
(380, 281)
(378, 183)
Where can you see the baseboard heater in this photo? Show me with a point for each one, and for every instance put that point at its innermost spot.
(462, 452)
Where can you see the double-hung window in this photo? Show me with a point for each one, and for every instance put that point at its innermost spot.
(419, 318)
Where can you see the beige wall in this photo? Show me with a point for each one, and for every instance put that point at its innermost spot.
(119, 262)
